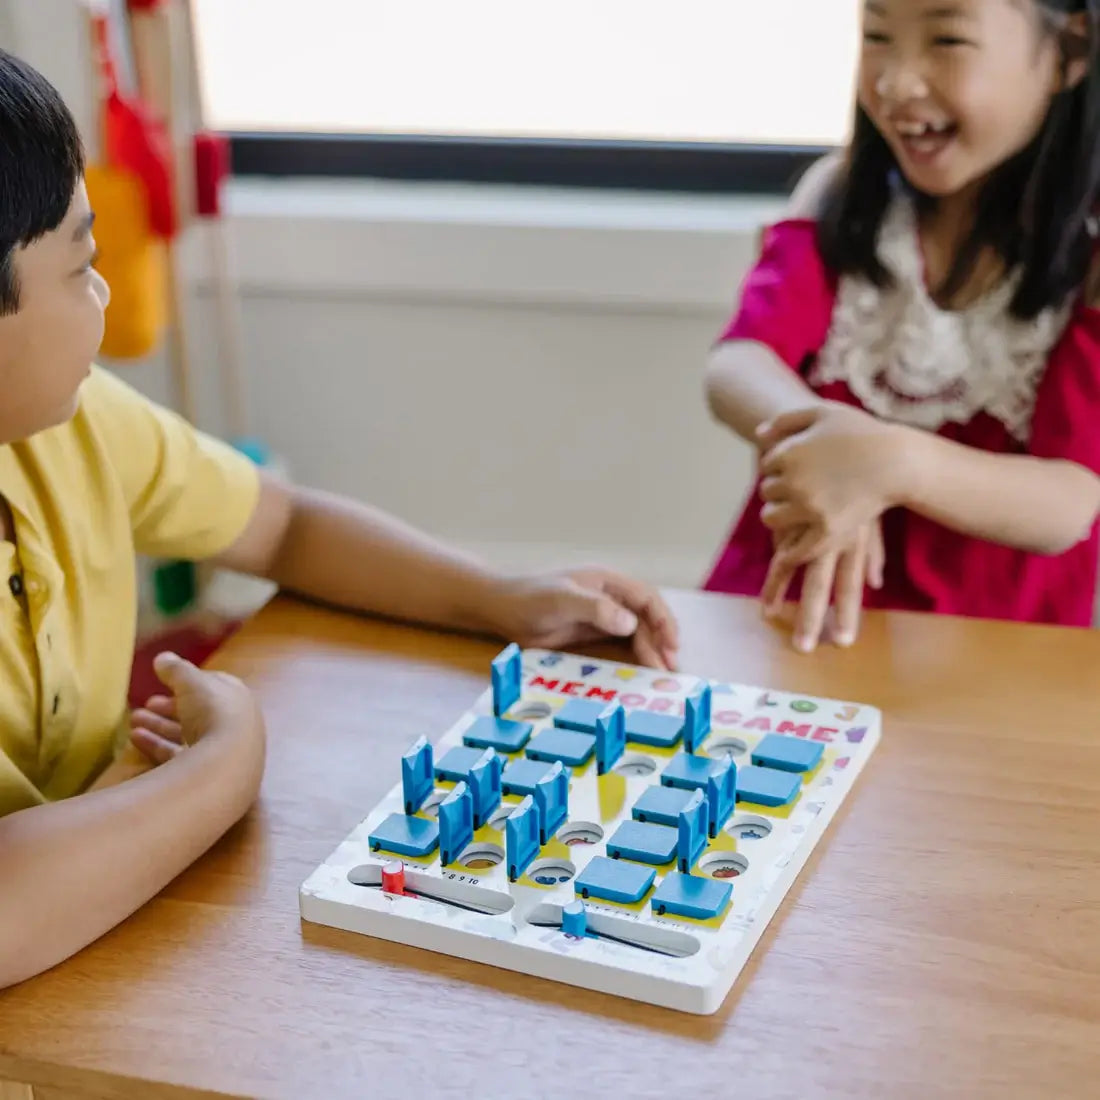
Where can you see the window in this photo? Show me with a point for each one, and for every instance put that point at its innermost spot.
(629, 80)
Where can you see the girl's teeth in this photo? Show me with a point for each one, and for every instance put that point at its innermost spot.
(918, 129)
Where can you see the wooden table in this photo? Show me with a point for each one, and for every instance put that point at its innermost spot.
(943, 941)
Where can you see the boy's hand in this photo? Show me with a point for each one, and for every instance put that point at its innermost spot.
(557, 610)
(828, 471)
(836, 578)
(200, 702)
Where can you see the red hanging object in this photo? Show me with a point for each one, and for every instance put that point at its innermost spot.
(211, 171)
(138, 142)
(144, 5)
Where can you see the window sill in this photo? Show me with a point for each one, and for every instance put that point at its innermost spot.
(476, 242)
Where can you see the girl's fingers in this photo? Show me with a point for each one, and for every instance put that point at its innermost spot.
(849, 594)
(784, 515)
(773, 490)
(809, 546)
(817, 590)
(876, 556)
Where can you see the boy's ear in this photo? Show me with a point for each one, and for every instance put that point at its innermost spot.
(1077, 49)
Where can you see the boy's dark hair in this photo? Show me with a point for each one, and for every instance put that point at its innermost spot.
(1035, 210)
(41, 162)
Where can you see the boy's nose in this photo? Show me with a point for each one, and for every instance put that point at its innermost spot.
(102, 289)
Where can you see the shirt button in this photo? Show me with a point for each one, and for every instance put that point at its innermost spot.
(15, 583)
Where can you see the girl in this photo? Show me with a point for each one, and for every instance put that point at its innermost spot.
(917, 353)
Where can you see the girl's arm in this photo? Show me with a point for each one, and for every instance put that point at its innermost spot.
(749, 385)
(786, 301)
(1041, 505)
(831, 470)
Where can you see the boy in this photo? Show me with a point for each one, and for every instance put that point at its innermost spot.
(90, 474)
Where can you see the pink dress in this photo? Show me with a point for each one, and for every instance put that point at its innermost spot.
(977, 376)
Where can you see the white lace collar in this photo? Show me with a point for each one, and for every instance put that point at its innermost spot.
(910, 361)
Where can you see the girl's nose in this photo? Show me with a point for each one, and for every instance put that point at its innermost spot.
(900, 83)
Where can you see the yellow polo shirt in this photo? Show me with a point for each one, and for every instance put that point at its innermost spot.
(123, 477)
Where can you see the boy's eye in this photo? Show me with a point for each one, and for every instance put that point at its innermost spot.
(950, 40)
(875, 38)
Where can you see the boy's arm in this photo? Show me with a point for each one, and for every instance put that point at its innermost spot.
(192, 497)
(115, 848)
(354, 556)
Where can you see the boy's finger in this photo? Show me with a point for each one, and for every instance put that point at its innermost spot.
(817, 587)
(164, 705)
(174, 672)
(650, 607)
(156, 749)
(604, 613)
(167, 728)
(646, 650)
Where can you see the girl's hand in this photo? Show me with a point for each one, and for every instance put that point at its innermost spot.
(837, 578)
(827, 471)
(557, 610)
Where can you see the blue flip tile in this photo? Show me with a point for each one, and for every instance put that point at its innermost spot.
(643, 842)
(692, 832)
(457, 763)
(691, 772)
(614, 880)
(521, 838)
(644, 727)
(522, 776)
(501, 734)
(507, 676)
(405, 836)
(580, 715)
(552, 745)
(662, 805)
(691, 896)
(788, 754)
(766, 786)
(417, 775)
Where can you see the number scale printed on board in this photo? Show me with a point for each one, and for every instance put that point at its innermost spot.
(607, 826)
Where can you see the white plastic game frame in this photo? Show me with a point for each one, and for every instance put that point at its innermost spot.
(703, 960)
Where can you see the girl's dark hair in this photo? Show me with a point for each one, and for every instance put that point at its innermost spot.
(1035, 210)
(41, 162)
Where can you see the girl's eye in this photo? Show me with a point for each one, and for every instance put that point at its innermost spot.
(874, 39)
(948, 40)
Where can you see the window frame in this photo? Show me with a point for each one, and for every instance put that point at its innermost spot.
(734, 168)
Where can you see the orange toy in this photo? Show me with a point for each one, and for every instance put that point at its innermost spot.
(130, 189)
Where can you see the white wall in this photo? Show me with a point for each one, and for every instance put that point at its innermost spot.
(520, 371)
